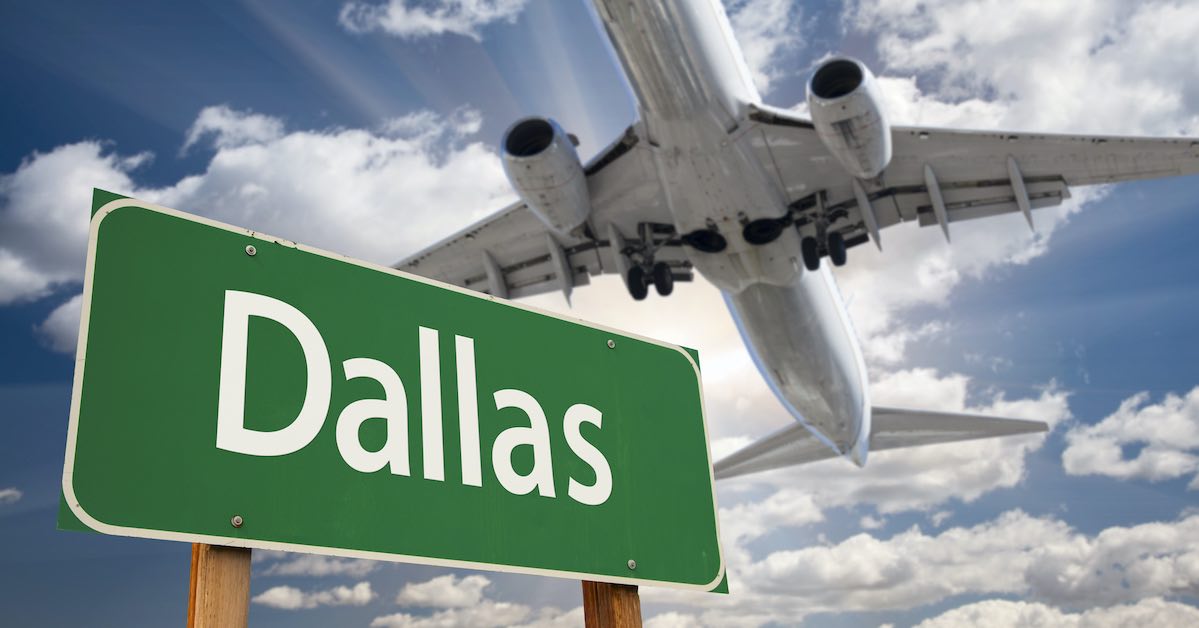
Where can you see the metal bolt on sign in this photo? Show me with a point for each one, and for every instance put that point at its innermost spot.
(250, 250)
(611, 344)
(237, 521)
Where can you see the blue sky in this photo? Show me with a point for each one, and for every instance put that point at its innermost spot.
(320, 123)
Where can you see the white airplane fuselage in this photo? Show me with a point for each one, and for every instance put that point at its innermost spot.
(694, 91)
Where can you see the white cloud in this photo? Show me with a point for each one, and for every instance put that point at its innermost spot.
(766, 30)
(291, 598)
(10, 496)
(263, 555)
(430, 126)
(44, 215)
(413, 20)
(60, 330)
(1102, 66)
(230, 129)
(740, 524)
(372, 195)
(551, 617)
(447, 591)
(1119, 565)
(869, 522)
(1167, 434)
(465, 604)
(485, 614)
(1016, 554)
(319, 566)
(1001, 613)
(672, 620)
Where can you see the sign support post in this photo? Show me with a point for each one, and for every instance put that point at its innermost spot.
(615, 605)
(220, 587)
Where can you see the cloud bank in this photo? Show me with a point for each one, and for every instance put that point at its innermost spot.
(371, 194)
(1166, 435)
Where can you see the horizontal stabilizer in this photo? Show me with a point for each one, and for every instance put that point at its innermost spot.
(891, 428)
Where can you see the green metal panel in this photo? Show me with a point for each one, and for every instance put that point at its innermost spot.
(142, 458)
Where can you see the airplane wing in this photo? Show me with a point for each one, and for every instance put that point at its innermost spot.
(512, 254)
(942, 176)
(891, 428)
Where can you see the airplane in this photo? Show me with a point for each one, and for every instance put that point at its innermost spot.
(760, 201)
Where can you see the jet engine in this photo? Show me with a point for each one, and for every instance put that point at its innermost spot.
(846, 111)
(543, 167)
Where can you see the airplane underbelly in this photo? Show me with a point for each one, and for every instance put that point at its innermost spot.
(804, 346)
(712, 183)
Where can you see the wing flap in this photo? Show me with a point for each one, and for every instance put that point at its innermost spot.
(516, 240)
(891, 428)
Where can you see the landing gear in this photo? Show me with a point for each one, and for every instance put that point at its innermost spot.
(635, 258)
(836, 248)
(811, 253)
(663, 279)
(660, 275)
(636, 281)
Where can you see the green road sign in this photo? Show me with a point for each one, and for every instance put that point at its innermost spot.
(237, 389)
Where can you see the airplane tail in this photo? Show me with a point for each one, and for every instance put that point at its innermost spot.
(891, 428)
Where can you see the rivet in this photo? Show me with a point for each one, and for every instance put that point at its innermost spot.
(611, 344)
(632, 564)
(237, 520)
(250, 250)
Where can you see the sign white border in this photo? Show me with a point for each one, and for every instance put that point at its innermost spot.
(99, 526)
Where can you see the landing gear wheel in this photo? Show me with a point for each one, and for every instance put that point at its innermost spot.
(638, 286)
(836, 249)
(811, 253)
(663, 279)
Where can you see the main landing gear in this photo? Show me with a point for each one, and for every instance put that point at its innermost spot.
(800, 214)
(636, 257)
(834, 247)
(659, 275)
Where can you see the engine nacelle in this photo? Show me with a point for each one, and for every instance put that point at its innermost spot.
(847, 113)
(543, 167)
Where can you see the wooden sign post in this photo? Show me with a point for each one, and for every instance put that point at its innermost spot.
(220, 587)
(611, 605)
